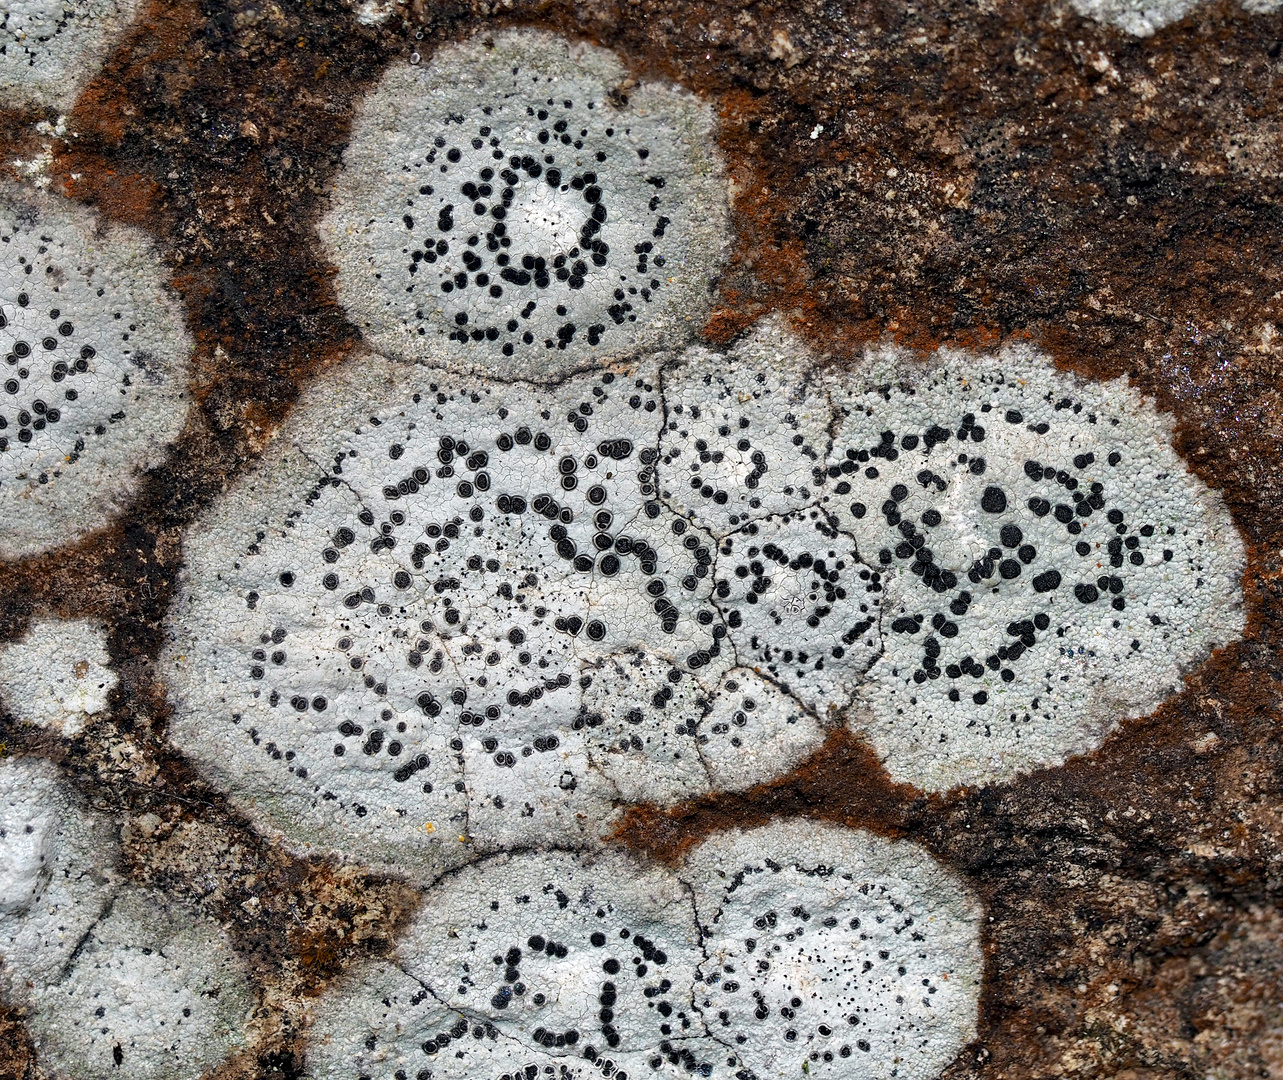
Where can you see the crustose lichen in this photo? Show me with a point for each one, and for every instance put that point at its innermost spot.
(510, 208)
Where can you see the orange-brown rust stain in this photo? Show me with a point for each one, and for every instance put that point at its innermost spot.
(843, 782)
(108, 106)
(17, 1054)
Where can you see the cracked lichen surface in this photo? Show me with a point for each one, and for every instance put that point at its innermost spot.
(110, 976)
(519, 206)
(448, 615)
(580, 967)
(57, 675)
(93, 381)
(460, 616)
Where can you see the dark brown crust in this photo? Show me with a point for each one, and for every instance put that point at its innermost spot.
(984, 172)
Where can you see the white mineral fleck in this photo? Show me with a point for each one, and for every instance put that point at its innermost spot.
(508, 208)
(56, 675)
(93, 381)
(1142, 18)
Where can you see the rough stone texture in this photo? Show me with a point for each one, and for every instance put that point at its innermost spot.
(978, 173)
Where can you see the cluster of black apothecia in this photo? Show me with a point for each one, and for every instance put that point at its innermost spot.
(53, 359)
(483, 265)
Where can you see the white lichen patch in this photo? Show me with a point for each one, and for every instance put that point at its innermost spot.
(154, 993)
(551, 965)
(449, 614)
(797, 608)
(93, 381)
(455, 609)
(557, 962)
(55, 874)
(831, 952)
(50, 48)
(518, 206)
(108, 977)
(1047, 564)
(56, 675)
(745, 430)
(1142, 18)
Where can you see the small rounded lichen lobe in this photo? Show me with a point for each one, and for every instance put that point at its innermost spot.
(1047, 564)
(49, 48)
(507, 208)
(57, 675)
(856, 955)
(94, 369)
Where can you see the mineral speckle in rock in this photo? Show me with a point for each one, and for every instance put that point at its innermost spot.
(48, 48)
(507, 208)
(93, 378)
(56, 675)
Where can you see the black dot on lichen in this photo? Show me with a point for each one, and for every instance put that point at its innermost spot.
(994, 500)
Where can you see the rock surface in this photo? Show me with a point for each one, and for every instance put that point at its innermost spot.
(972, 177)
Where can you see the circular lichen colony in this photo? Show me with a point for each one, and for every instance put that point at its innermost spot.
(48, 47)
(451, 614)
(510, 208)
(993, 562)
(556, 965)
(829, 952)
(1047, 564)
(529, 962)
(93, 376)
